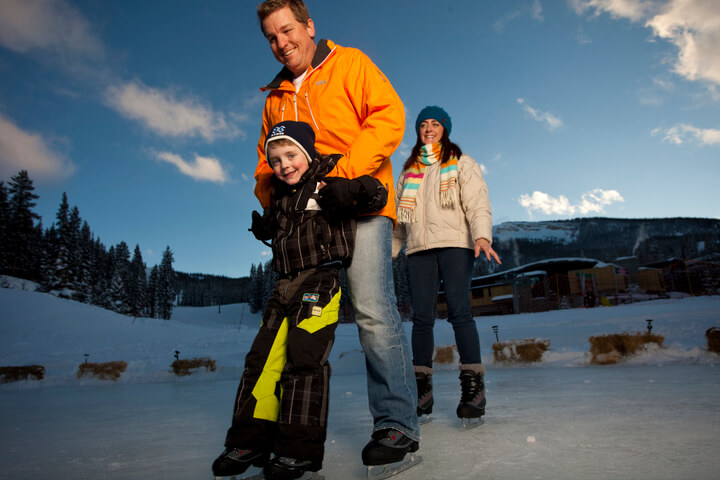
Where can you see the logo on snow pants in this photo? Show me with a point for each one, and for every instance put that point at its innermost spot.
(310, 297)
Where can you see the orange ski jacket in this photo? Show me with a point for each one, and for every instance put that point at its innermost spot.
(353, 109)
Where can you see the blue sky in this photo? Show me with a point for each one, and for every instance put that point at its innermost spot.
(147, 113)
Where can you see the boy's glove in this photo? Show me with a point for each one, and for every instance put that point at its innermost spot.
(338, 196)
(261, 226)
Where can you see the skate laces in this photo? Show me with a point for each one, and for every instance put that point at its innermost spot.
(470, 385)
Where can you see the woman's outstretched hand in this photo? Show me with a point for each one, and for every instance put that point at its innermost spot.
(482, 245)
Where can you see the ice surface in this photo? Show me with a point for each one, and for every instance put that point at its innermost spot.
(653, 417)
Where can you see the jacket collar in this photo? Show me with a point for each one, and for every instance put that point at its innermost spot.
(322, 51)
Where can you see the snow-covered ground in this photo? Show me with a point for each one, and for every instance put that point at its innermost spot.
(654, 416)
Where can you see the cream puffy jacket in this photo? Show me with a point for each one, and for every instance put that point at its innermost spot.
(438, 227)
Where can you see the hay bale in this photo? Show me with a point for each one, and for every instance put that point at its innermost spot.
(526, 350)
(185, 367)
(609, 349)
(445, 354)
(103, 371)
(16, 373)
(713, 338)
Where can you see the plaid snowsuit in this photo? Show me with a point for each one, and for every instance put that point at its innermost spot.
(282, 400)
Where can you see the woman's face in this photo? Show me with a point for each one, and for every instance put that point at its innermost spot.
(431, 131)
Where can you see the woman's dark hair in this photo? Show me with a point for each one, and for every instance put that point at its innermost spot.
(448, 148)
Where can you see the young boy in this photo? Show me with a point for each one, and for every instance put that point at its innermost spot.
(281, 405)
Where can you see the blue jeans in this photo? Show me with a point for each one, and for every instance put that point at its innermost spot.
(392, 390)
(454, 267)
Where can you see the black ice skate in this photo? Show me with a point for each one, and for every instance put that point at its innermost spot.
(236, 461)
(472, 400)
(385, 455)
(284, 468)
(425, 396)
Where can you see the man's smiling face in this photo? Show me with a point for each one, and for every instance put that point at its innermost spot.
(292, 42)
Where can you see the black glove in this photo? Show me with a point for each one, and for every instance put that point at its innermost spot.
(261, 226)
(372, 197)
(338, 196)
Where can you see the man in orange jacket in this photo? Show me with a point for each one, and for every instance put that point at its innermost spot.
(355, 111)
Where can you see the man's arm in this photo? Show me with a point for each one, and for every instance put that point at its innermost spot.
(263, 172)
(381, 112)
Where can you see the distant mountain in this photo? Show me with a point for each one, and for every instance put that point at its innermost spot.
(606, 239)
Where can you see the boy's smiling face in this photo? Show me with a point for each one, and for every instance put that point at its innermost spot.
(288, 162)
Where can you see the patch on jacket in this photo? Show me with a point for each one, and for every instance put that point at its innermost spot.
(310, 297)
(316, 311)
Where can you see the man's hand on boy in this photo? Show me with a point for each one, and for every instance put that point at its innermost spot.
(338, 195)
(346, 197)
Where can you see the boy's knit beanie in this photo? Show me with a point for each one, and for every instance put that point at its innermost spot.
(300, 133)
(436, 113)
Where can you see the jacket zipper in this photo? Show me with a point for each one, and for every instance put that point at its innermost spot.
(310, 110)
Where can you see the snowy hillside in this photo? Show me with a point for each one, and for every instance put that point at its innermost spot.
(557, 419)
(546, 231)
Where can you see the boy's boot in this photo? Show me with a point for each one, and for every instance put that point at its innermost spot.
(234, 461)
(285, 468)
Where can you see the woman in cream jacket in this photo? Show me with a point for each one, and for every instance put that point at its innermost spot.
(445, 222)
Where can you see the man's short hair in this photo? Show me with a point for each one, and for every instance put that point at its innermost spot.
(297, 7)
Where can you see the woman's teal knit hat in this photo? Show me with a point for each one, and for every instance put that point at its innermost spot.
(436, 113)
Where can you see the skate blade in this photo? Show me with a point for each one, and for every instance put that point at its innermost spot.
(379, 472)
(425, 419)
(470, 423)
(258, 475)
(252, 473)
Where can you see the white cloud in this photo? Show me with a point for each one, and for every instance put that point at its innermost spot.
(594, 201)
(693, 26)
(551, 121)
(164, 114)
(535, 12)
(634, 10)
(51, 25)
(22, 150)
(682, 133)
(201, 169)
(582, 37)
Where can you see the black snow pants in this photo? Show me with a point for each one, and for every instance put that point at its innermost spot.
(281, 404)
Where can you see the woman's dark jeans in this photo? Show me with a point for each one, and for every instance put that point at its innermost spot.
(452, 266)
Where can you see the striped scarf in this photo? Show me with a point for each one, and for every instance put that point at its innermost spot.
(414, 174)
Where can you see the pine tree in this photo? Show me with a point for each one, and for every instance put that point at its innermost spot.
(48, 270)
(257, 288)
(61, 274)
(166, 285)
(86, 262)
(74, 251)
(100, 274)
(22, 233)
(137, 288)
(119, 300)
(4, 229)
(151, 306)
